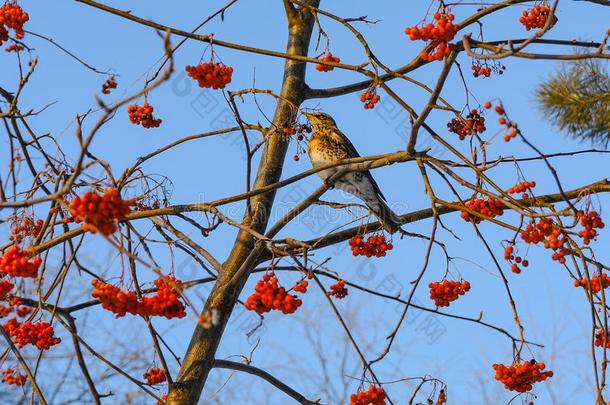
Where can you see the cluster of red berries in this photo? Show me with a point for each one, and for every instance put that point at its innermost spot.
(375, 245)
(602, 339)
(11, 377)
(478, 70)
(485, 70)
(520, 377)
(536, 17)
(328, 57)
(537, 232)
(491, 207)
(518, 260)
(12, 16)
(338, 290)
(548, 232)
(5, 311)
(369, 98)
(40, 334)
(513, 131)
(114, 299)
(108, 85)
(595, 285)
(591, 221)
(269, 296)
(5, 288)
(14, 48)
(474, 124)
(100, 213)
(447, 291)
(211, 75)
(301, 286)
(522, 187)
(439, 34)
(17, 263)
(13, 303)
(143, 115)
(297, 129)
(25, 227)
(155, 375)
(166, 302)
(372, 396)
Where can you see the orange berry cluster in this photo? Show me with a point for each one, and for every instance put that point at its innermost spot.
(13, 303)
(269, 296)
(211, 75)
(596, 284)
(5, 311)
(155, 375)
(301, 286)
(591, 221)
(536, 17)
(143, 115)
(537, 232)
(438, 34)
(522, 188)
(100, 213)
(375, 245)
(369, 98)
(447, 291)
(108, 85)
(14, 48)
(12, 16)
(327, 58)
(478, 70)
(548, 232)
(474, 124)
(600, 337)
(40, 334)
(17, 263)
(372, 396)
(491, 207)
(518, 260)
(25, 227)
(513, 131)
(114, 299)
(166, 302)
(296, 129)
(5, 288)
(520, 377)
(485, 70)
(338, 290)
(11, 377)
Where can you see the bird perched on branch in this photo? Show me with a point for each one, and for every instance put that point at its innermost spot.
(328, 145)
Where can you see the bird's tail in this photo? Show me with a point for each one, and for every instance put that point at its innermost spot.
(386, 216)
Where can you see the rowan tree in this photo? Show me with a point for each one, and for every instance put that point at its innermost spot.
(131, 246)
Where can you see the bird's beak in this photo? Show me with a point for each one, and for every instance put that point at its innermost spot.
(308, 115)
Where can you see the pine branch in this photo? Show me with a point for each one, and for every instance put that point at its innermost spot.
(577, 98)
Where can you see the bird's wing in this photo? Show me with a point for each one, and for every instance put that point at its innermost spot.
(352, 152)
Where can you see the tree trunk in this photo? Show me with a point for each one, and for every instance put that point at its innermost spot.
(199, 358)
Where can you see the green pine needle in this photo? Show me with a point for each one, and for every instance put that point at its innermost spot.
(577, 98)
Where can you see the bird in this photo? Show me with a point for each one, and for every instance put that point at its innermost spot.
(328, 144)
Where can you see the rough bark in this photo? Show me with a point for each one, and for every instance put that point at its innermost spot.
(199, 358)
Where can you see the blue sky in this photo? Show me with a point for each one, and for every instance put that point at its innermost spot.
(459, 353)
